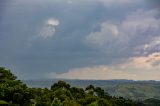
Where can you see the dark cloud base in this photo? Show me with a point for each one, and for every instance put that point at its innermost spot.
(21, 22)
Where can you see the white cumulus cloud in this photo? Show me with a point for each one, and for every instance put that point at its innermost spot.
(49, 28)
(140, 22)
(52, 22)
(118, 34)
(108, 33)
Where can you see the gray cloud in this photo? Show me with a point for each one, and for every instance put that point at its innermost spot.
(60, 45)
(136, 29)
(48, 29)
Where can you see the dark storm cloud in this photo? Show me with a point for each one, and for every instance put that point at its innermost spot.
(155, 3)
(31, 56)
(3, 6)
(23, 21)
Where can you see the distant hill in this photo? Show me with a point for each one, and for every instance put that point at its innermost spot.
(136, 90)
(152, 102)
(14, 92)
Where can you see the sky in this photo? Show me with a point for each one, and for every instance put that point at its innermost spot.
(81, 39)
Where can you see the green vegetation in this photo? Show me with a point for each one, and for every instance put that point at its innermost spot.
(135, 90)
(15, 93)
(2, 102)
(12, 90)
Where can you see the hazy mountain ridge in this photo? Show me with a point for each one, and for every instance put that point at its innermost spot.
(139, 90)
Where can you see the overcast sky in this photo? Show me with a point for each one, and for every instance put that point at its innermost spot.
(81, 39)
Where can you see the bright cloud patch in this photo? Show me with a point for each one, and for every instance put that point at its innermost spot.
(108, 34)
(136, 68)
(52, 22)
(141, 22)
(128, 33)
(113, 37)
(48, 29)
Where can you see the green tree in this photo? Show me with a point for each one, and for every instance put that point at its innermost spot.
(103, 102)
(70, 103)
(60, 85)
(77, 92)
(56, 102)
(62, 94)
(13, 90)
(5, 74)
(99, 92)
(90, 87)
(94, 104)
(16, 93)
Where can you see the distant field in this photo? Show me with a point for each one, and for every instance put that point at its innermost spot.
(136, 90)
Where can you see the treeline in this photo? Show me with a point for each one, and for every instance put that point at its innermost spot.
(15, 93)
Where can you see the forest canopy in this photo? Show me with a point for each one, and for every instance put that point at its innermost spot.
(15, 93)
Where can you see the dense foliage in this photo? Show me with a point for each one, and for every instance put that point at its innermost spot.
(14, 92)
(135, 90)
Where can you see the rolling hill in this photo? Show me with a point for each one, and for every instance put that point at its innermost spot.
(136, 90)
